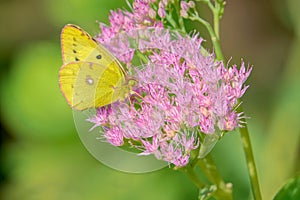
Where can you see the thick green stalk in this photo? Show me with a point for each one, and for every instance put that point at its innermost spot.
(189, 170)
(224, 191)
(243, 131)
(214, 34)
(250, 158)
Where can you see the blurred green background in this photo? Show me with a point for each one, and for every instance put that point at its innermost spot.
(41, 154)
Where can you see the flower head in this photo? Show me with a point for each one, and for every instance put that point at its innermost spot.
(180, 93)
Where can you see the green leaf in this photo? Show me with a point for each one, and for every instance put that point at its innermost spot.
(290, 191)
(208, 144)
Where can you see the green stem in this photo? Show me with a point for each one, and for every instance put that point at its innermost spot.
(217, 20)
(244, 130)
(208, 166)
(213, 36)
(180, 19)
(215, 10)
(171, 20)
(189, 170)
(250, 158)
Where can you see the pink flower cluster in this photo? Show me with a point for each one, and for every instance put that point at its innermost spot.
(185, 6)
(142, 16)
(180, 93)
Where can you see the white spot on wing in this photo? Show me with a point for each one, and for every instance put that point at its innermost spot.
(89, 80)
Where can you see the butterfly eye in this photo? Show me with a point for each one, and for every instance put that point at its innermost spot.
(99, 57)
(77, 59)
(74, 51)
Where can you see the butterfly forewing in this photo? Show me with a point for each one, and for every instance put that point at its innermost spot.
(91, 76)
(78, 45)
(86, 84)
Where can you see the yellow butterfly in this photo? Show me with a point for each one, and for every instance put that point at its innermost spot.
(90, 76)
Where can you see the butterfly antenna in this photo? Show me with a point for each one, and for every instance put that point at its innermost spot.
(137, 94)
(130, 102)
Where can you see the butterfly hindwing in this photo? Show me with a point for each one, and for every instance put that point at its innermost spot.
(86, 84)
